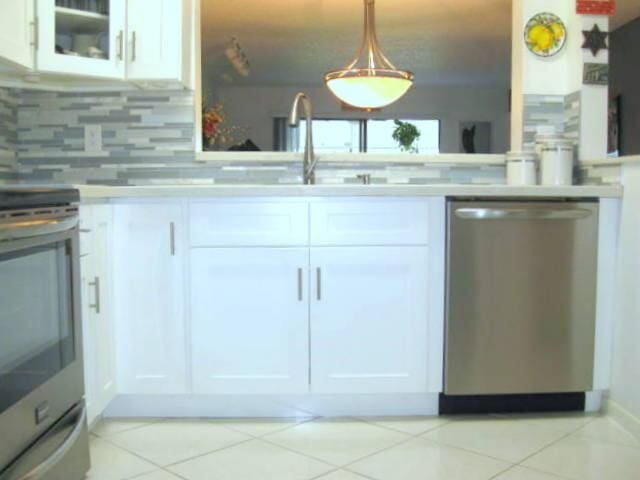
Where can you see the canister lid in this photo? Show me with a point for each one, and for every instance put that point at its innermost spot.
(516, 156)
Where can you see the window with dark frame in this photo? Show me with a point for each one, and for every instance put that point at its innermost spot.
(332, 135)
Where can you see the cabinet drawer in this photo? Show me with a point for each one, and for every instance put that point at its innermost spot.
(370, 222)
(241, 223)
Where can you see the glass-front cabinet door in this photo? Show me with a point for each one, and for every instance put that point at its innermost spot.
(82, 37)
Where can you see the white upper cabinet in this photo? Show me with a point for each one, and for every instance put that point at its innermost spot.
(148, 43)
(149, 298)
(249, 320)
(17, 33)
(82, 42)
(159, 44)
(369, 320)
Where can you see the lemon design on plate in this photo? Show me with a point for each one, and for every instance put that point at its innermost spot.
(545, 34)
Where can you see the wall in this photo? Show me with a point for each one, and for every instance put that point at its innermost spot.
(625, 81)
(255, 108)
(625, 391)
(8, 134)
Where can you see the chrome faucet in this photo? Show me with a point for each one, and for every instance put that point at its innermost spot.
(310, 160)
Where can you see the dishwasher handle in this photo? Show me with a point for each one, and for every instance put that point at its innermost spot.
(515, 213)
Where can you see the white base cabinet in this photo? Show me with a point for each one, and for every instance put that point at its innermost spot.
(314, 300)
(249, 320)
(369, 316)
(149, 298)
(96, 299)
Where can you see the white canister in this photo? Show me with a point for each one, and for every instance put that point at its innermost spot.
(556, 162)
(521, 168)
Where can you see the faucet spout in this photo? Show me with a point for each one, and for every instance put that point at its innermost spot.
(309, 159)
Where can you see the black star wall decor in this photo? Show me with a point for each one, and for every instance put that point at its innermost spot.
(595, 40)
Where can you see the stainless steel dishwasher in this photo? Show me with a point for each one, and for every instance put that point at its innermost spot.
(521, 296)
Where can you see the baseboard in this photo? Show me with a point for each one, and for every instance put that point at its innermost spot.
(237, 406)
(622, 416)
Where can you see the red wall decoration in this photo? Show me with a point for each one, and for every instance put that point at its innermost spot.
(596, 7)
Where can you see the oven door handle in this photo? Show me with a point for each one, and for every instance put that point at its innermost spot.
(52, 460)
(26, 227)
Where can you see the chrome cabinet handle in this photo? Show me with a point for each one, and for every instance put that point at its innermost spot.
(172, 238)
(85, 230)
(96, 286)
(134, 40)
(522, 213)
(120, 42)
(300, 298)
(319, 283)
(40, 471)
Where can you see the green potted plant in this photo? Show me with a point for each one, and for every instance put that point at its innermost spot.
(406, 134)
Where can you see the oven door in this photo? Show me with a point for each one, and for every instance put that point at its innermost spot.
(40, 351)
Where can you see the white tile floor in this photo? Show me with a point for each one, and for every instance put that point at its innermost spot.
(531, 447)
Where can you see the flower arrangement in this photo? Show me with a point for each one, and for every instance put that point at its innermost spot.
(216, 132)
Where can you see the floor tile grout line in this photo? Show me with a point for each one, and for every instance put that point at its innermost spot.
(569, 434)
(163, 467)
(371, 422)
(333, 464)
(513, 467)
(217, 450)
(159, 420)
(467, 450)
(234, 429)
(556, 441)
(106, 440)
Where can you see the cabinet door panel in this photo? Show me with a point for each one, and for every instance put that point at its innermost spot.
(16, 33)
(249, 309)
(155, 40)
(369, 316)
(103, 314)
(87, 273)
(386, 221)
(149, 298)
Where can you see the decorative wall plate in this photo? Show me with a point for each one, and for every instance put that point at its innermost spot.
(545, 34)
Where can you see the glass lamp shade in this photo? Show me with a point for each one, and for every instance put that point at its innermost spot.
(371, 81)
(368, 91)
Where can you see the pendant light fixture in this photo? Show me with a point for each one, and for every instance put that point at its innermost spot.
(371, 81)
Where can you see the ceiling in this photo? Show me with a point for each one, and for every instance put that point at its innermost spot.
(626, 10)
(294, 42)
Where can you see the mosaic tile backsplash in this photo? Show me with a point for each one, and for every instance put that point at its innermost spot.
(148, 139)
(559, 111)
(8, 134)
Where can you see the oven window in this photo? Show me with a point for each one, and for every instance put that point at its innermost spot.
(36, 319)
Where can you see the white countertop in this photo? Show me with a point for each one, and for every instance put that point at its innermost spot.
(106, 192)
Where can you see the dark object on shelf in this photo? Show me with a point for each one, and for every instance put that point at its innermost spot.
(482, 404)
(59, 49)
(595, 40)
(246, 146)
(469, 139)
(615, 127)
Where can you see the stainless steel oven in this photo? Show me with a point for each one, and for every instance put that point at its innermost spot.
(42, 416)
